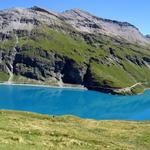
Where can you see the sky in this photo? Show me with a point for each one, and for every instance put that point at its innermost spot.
(136, 12)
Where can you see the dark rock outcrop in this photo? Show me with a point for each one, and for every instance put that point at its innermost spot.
(135, 60)
(73, 73)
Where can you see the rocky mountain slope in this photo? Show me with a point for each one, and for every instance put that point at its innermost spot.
(73, 47)
(85, 22)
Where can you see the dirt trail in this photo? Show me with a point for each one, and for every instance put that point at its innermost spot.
(128, 88)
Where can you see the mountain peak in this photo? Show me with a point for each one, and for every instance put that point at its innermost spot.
(36, 8)
(76, 11)
(83, 13)
(44, 10)
(83, 21)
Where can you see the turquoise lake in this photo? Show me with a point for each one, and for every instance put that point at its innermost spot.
(81, 103)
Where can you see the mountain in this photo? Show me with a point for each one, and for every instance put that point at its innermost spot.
(148, 36)
(73, 48)
(85, 22)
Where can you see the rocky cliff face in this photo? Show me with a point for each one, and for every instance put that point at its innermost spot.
(74, 47)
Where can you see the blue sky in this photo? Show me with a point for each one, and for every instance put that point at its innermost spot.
(136, 12)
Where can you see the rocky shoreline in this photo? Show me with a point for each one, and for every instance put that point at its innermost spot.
(65, 86)
(114, 91)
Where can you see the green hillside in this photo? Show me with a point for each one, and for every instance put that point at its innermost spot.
(110, 63)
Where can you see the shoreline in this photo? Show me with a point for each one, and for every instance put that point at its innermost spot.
(66, 86)
(146, 89)
(46, 86)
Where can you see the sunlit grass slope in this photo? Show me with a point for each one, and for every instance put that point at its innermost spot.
(27, 131)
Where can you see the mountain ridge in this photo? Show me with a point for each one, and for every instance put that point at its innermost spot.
(86, 22)
(109, 20)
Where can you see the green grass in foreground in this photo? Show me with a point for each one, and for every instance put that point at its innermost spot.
(27, 131)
